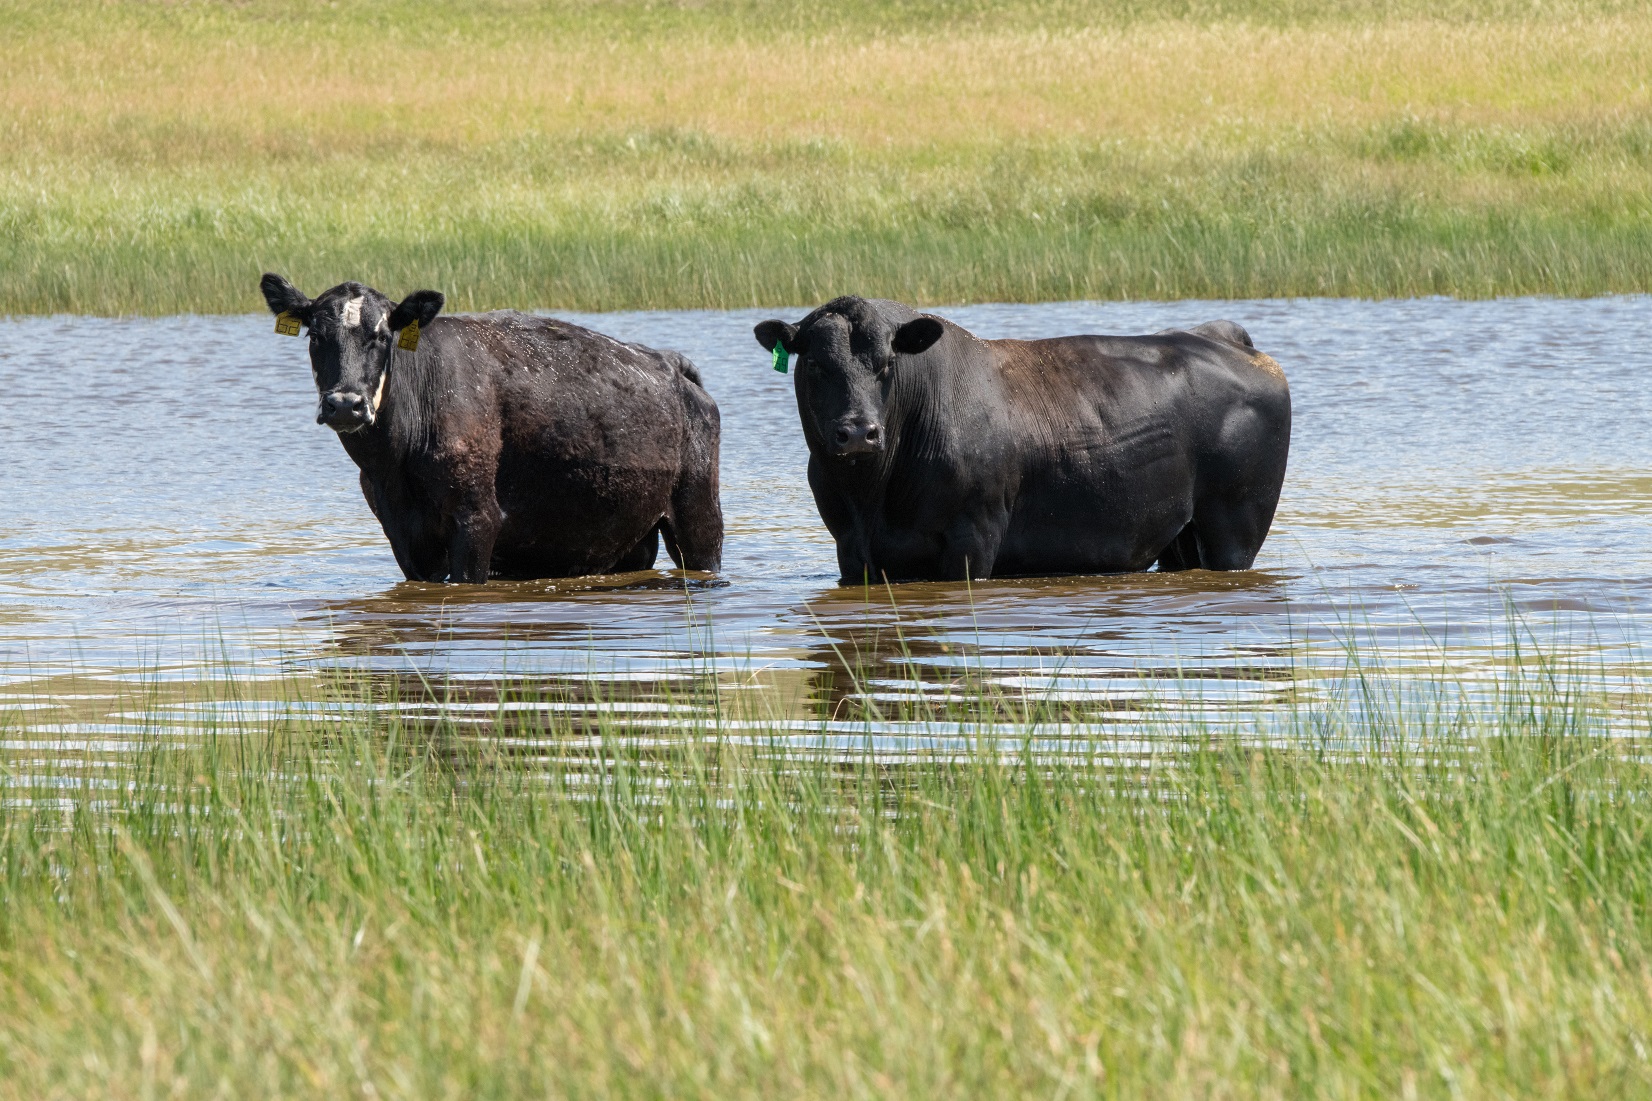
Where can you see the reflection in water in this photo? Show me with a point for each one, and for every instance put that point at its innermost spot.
(1463, 474)
(931, 644)
(551, 614)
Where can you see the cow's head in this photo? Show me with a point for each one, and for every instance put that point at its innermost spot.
(352, 331)
(845, 354)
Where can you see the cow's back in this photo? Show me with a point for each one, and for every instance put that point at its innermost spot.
(585, 426)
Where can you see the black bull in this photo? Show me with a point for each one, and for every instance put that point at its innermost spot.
(934, 454)
(508, 445)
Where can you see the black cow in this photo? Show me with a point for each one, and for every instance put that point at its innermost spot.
(934, 454)
(507, 445)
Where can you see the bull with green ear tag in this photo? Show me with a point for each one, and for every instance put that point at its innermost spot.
(936, 455)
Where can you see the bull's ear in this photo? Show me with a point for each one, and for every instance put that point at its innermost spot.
(283, 297)
(420, 306)
(917, 336)
(770, 333)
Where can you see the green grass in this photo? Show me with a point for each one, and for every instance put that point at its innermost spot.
(365, 906)
(629, 155)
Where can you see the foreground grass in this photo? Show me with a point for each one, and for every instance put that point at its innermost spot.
(350, 907)
(615, 155)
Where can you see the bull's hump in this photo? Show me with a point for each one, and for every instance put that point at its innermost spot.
(1085, 354)
(1269, 366)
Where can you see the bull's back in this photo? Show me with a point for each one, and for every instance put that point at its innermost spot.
(1108, 398)
(1116, 436)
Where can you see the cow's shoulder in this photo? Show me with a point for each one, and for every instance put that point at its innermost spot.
(537, 342)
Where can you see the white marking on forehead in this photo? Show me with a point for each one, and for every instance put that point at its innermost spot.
(352, 312)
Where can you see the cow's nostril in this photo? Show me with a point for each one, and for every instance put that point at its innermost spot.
(872, 433)
(842, 435)
(337, 407)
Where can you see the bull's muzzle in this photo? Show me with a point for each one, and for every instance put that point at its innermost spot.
(857, 437)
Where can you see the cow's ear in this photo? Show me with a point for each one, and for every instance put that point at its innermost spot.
(283, 297)
(770, 333)
(420, 306)
(917, 336)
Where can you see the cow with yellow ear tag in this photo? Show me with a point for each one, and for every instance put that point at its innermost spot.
(507, 444)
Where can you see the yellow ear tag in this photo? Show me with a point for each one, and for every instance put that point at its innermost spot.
(286, 324)
(409, 340)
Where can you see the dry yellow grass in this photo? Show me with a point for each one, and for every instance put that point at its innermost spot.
(149, 145)
(1164, 82)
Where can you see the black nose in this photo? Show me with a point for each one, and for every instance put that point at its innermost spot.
(859, 436)
(343, 408)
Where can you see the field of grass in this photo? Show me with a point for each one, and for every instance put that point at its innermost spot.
(355, 905)
(626, 154)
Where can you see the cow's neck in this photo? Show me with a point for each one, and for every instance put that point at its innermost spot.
(377, 449)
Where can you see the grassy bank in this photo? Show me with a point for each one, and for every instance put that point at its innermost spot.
(353, 906)
(615, 155)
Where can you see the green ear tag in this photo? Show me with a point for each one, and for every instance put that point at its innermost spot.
(780, 358)
(409, 340)
(286, 324)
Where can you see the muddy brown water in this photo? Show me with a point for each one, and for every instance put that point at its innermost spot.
(1462, 474)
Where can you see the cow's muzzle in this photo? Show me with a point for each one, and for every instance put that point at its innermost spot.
(344, 412)
(857, 437)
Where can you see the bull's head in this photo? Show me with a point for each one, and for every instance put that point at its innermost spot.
(352, 331)
(845, 351)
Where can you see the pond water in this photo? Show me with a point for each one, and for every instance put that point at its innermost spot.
(172, 513)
